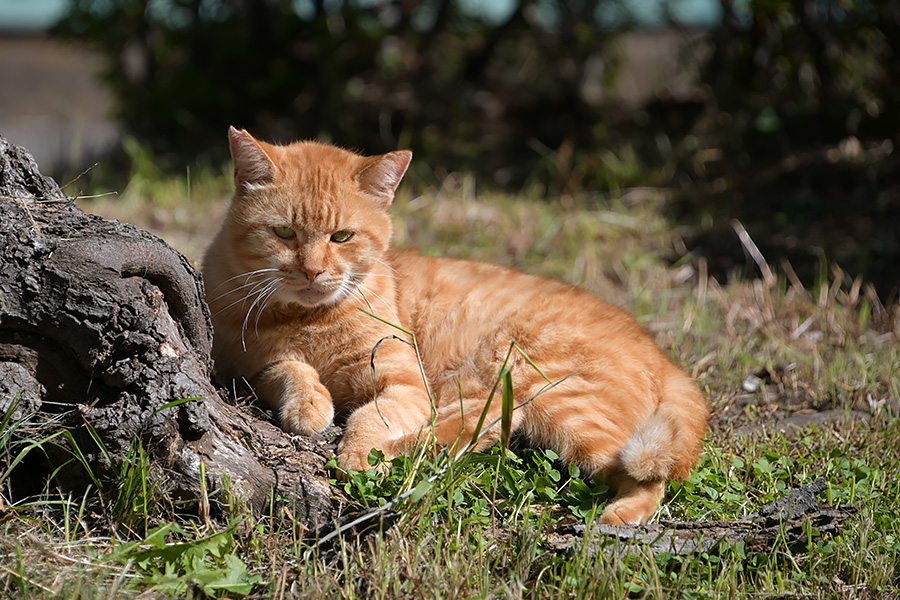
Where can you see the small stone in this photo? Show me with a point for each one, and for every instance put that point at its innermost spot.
(751, 384)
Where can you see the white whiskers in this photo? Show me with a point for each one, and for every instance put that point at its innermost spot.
(390, 268)
(359, 290)
(259, 286)
(253, 292)
(248, 275)
(262, 298)
(255, 288)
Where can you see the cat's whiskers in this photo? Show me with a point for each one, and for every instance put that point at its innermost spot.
(362, 289)
(255, 287)
(386, 275)
(352, 287)
(389, 267)
(247, 274)
(347, 290)
(263, 306)
(264, 294)
(253, 279)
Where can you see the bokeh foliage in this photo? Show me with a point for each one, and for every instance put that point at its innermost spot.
(794, 75)
(802, 137)
(485, 91)
(786, 115)
(481, 90)
(457, 85)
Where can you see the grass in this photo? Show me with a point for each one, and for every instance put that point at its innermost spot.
(480, 529)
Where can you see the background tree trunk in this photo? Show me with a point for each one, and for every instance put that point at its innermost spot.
(104, 324)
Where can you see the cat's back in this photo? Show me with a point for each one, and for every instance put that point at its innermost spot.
(463, 295)
(444, 283)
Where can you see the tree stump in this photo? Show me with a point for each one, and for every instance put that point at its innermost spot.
(102, 323)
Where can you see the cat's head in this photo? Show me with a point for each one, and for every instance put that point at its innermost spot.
(314, 215)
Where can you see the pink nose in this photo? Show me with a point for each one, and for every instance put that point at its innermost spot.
(311, 273)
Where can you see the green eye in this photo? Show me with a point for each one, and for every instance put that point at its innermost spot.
(341, 236)
(285, 233)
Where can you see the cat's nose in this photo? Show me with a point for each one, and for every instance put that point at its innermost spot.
(312, 273)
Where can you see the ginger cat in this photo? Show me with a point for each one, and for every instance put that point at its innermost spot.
(305, 245)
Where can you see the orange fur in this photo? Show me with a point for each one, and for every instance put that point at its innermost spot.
(286, 289)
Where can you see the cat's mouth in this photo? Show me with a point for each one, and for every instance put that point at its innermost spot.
(309, 294)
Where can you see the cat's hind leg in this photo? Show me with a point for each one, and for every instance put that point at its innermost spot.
(455, 425)
(379, 424)
(664, 446)
(593, 435)
(635, 501)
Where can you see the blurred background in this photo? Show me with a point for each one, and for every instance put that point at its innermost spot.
(781, 114)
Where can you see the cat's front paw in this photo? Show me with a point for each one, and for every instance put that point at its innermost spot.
(306, 413)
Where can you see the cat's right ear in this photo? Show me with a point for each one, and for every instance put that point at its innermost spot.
(382, 175)
(251, 163)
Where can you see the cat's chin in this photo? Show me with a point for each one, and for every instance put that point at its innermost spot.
(311, 297)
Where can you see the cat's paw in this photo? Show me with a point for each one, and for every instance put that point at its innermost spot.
(621, 515)
(352, 462)
(346, 464)
(635, 503)
(308, 413)
(353, 454)
(355, 457)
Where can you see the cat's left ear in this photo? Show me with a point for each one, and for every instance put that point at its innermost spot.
(251, 163)
(381, 177)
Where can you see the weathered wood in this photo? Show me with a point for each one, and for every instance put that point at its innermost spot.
(784, 521)
(106, 324)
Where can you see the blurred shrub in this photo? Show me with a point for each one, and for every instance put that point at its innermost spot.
(492, 92)
(787, 76)
(515, 91)
(800, 139)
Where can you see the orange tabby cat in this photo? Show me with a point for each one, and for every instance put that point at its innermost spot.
(305, 246)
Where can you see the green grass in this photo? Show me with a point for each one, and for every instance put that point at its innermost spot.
(480, 528)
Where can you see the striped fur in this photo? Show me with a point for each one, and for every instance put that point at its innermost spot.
(287, 318)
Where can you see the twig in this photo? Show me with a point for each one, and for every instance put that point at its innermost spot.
(753, 251)
(787, 519)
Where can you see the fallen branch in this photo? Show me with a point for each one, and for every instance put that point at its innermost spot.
(785, 521)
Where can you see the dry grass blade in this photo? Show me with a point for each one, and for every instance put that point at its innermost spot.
(753, 251)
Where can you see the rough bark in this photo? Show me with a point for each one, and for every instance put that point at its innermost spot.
(103, 323)
(786, 521)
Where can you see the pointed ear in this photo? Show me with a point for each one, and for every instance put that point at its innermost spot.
(251, 163)
(382, 176)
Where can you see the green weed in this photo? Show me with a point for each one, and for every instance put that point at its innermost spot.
(208, 563)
